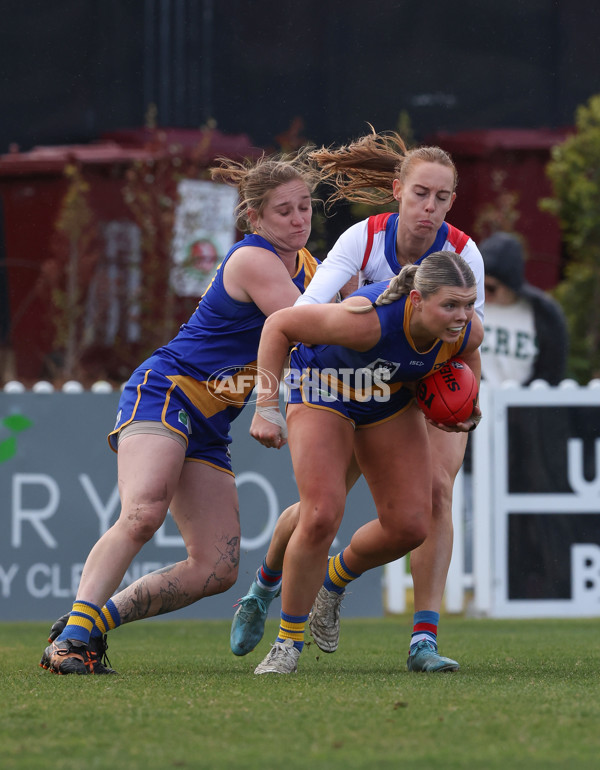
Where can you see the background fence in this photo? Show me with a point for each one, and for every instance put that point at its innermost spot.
(527, 519)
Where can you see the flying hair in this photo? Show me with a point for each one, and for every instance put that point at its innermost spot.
(364, 170)
(256, 178)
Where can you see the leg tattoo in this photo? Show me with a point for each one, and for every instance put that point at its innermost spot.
(165, 591)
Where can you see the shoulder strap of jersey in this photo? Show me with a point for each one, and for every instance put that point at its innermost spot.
(375, 224)
(457, 238)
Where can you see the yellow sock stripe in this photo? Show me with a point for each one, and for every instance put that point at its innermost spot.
(83, 615)
(101, 625)
(337, 574)
(293, 631)
(107, 620)
(331, 574)
(292, 627)
(341, 571)
(78, 620)
(85, 609)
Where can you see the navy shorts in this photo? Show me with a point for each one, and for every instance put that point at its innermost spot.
(150, 395)
(306, 387)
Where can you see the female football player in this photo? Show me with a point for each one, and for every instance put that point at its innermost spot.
(348, 388)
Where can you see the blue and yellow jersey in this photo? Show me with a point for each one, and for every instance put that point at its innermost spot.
(198, 382)
(393, 361)
(220, 340)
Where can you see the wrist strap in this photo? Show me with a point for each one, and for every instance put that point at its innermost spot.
(272, 414)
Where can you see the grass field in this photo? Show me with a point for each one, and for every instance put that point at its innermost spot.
(527, 696)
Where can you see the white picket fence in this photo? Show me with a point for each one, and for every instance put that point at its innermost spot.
(475, 590)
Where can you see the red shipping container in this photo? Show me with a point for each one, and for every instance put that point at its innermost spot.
(32, 188)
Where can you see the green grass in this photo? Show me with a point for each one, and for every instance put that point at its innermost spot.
(527, 696)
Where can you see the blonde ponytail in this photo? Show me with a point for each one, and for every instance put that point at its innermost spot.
(442, 268)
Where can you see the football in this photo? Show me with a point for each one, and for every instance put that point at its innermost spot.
(449, 395)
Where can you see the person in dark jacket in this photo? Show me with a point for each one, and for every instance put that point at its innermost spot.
(526, 336)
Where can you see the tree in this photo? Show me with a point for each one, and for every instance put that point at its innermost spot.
(67, 273)
(574, 171)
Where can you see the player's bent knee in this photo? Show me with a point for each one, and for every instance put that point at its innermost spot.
(320, 537)
(408, 537)
(213, 571)
(321, 532)
(202, 583)
(223, 581)
(417, 536)
(141, 525)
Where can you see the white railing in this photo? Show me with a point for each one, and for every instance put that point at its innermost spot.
(478, 575)
(476, 590)
(43, 386)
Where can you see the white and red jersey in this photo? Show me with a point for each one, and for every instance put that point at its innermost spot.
(369, 249)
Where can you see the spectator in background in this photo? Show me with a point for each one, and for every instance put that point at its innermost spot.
(525, 329)
(525, 337)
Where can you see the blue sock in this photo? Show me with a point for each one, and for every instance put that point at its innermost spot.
(425, 623)
(338, 575)
(292, 627)
(82, 620)
(109, 619)
(267, 578)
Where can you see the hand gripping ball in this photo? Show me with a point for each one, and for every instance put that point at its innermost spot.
(449, 395)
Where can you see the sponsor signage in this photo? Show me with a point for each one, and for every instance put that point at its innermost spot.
(58, 494)
(546, 502)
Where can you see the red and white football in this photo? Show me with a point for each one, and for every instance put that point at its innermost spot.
(449, 395)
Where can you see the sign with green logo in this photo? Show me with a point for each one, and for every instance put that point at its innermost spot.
(58, 495)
